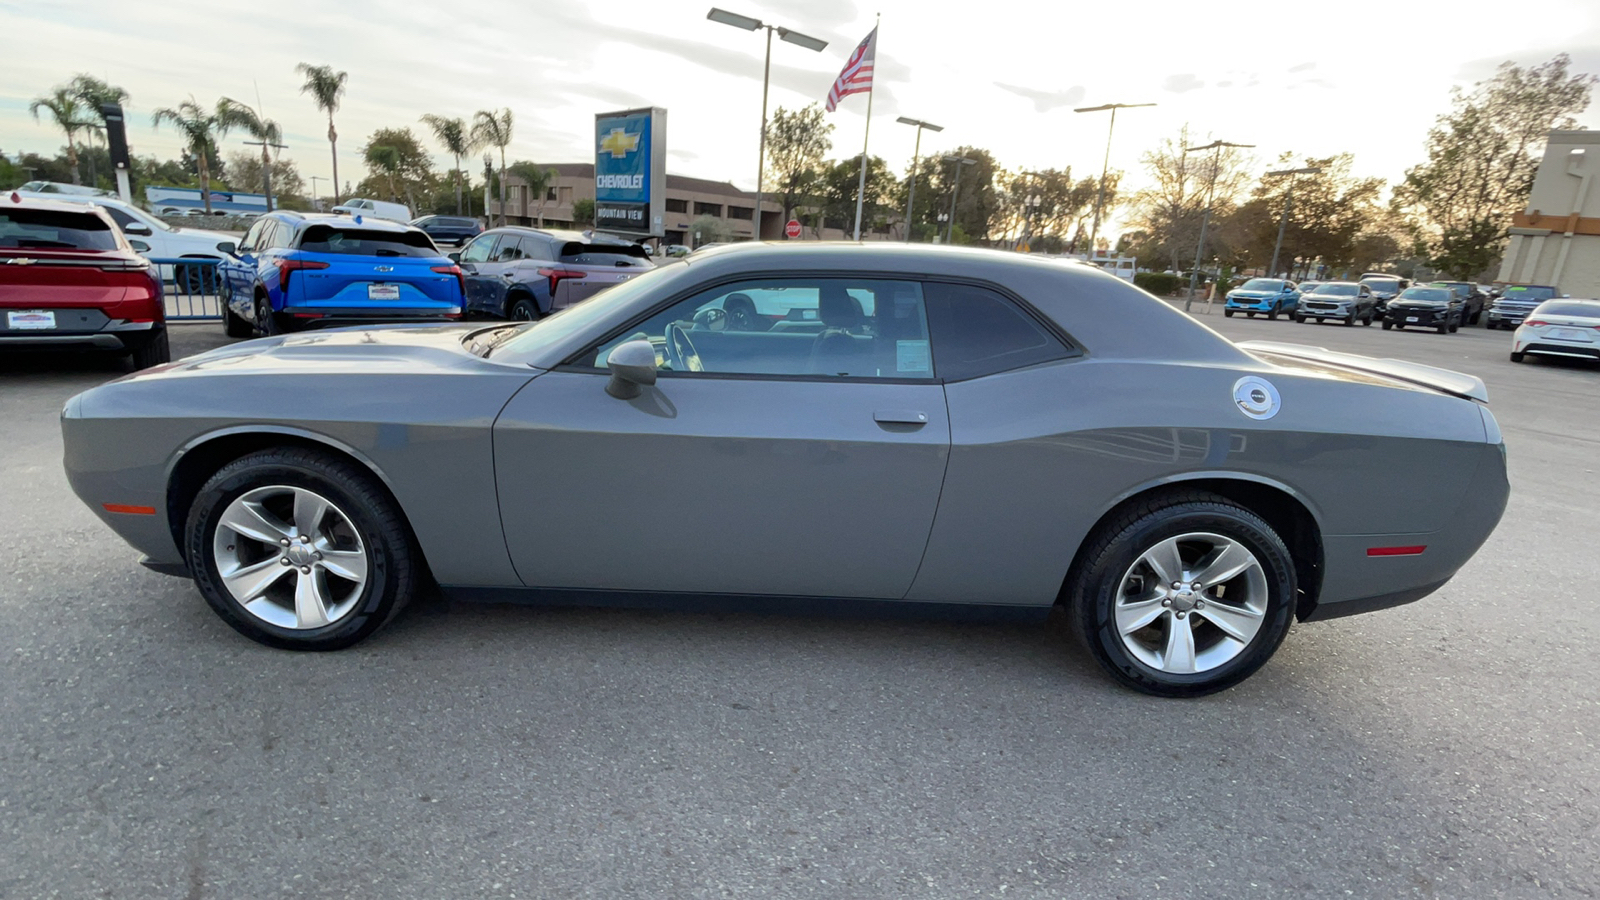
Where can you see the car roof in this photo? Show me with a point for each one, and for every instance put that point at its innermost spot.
(1332, 283)
(370, 223)
(34, 201)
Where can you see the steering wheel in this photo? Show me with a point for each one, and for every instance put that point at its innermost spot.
(711, 319)
(680, 350)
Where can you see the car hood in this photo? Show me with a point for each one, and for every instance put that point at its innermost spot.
(1447, 381)
(364, 349)
(201, 233)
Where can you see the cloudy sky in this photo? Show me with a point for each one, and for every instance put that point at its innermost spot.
(1362, 76)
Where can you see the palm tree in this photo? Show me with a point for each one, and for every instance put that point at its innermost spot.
(386, 159)
(538, 179)
(95, 93)
(452, 134)
(233, 114)
(326, 87)
(491, 129)
(199, 129)
(70, 115)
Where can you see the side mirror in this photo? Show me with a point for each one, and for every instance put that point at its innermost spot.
(138, 228)
(454, 257)
(632, 365)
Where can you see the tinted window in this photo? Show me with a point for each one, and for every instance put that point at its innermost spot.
(365, 242)
(1433, 295)
(276, 237)
(1262, 284)
(509, 250)
(478, 251)
(1337, 290)
(252, 238)
(619, 255)
(978, 332)
(48, 229)
(857, 328)
(1528, 292)
(1554, 308)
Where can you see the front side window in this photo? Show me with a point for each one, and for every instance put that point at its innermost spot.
(819, 327)
(478, 251)
(252, 238)
(976, 331)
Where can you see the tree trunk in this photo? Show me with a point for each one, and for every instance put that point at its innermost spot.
(333, 144)
(502, 185)
(266, 174)
(458, 185)
(205, 179)
(72, 157)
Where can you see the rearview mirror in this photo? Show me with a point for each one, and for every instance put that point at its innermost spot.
(632, 365)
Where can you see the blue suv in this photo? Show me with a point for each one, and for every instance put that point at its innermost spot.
(295, 270)
(1264, 295)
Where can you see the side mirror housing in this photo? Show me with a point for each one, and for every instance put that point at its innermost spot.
(633, 366)
(138, 228)
(454, 257)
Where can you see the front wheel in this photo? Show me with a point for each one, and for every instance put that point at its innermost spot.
(1387, 324)
(1367, 321)
(1227, 313)
(1272, 314)
(299, 550)
(1300, 320)
(1350, 320)
(1183, 596)
(1455, 325)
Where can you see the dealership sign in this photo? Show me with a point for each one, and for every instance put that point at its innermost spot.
(630, 176)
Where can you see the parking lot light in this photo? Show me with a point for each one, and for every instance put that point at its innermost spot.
(916, 151)
(1211, 191)
(1288, 199)
(1105, 167)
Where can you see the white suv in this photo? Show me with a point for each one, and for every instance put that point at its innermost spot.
(375, 209)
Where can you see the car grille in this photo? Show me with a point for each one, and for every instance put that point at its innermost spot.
(1321, 305)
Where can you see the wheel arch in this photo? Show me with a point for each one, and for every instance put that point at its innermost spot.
(203, 456)
(1290, 514)
(520, 291)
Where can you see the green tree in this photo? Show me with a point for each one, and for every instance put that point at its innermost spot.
(199, 129)
(538, 179)
(836, 187)
(978, 209)
(1170, 211)
(583, 211)
(244, 174)
(709, 229)
(452, 135)
(1327, 213)
(233, 114)
(326, 88)
(397, 166)
(95, 93)
(796, 143)
(493, 129)
(71, 115)
(1482, 156)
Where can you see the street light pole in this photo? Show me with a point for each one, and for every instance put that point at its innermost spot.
(1211, 193)
(916, 153)
(1288, 200)
(784, 34)
(266, 170)
(955, 191)
(1105, 167)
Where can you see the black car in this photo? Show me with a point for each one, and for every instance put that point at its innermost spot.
(454, 230)
(1470, 295)
(1438, 308)
(1384, 288)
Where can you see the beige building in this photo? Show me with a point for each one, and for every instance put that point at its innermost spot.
(1556, 241)
(687, 199)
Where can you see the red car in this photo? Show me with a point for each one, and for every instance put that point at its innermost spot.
(69, 279)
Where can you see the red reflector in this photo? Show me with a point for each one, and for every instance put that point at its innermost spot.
(1536, 323)
(1395, 551)
(130, 510)
(310, 315)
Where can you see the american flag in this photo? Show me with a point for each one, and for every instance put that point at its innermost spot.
(856, 78)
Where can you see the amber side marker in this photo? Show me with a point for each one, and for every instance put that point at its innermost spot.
(130, 510)
(1395, 551)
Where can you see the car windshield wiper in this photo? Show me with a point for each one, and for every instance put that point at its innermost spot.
(483, 343)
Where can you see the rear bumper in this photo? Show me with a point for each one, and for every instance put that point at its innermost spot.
(114, 335)
(1560, 348)
(334, 317)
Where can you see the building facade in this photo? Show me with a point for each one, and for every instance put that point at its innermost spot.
(1556, 241)
(687, 200)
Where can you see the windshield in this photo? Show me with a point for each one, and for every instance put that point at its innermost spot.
(1528, 292)
(580, 317)
(1338, 290)
(367, 242)
(49, 229)
(1433, 295)
(1261, 284)
(1382, 284)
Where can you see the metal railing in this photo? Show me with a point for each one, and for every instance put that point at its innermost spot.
(192, 287)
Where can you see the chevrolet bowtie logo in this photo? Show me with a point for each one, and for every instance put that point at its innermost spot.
(619, 143)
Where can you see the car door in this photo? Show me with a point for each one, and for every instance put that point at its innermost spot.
(776, 463)
(479, 271)
(238, 272)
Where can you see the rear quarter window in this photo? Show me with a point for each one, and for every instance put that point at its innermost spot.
(48, 229)
(977, 332)
(366, 242)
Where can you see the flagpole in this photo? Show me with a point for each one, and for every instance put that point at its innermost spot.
(872, 88)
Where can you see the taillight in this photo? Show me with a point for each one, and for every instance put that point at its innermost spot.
(1536, 323)
(455, 270)
(285, 266)
(555, 276)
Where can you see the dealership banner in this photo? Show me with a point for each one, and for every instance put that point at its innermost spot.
(630, 171)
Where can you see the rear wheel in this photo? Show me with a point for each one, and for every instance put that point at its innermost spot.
(1517, 357)
(523, 309)
(299, 550)
(1250, 314)
(153, 352)
(1368, 320)
(267, 322)
(1183, 595)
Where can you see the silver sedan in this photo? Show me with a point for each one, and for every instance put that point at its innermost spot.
(848, 427)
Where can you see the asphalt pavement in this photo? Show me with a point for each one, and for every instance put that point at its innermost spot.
(1442, 749)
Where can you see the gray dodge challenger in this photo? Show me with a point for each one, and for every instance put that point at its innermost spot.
(808, 426)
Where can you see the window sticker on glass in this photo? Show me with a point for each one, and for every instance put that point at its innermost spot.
(912, 356)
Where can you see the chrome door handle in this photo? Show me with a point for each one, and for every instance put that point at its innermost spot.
(900, 417)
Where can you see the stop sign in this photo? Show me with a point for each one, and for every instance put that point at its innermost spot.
(792, 229)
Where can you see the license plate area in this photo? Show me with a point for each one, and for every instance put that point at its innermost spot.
(1570, 334)
(30, 320)
(383, 292)
(1413, 319)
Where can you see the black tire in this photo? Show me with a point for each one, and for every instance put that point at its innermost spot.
(1272, 314)
(1350, 320)
(1444, 327)
(1110, 553)
(1227, 313)
(523, 309)
(1368, 320)
(235, 327)
(1475, 317)
(1299, 320)
(267, 322)
(1387, 324)
(1517, 357)
(1455, 325)
(393, 562)
(152, 352)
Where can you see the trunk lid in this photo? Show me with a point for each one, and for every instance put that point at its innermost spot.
(343, 272)
(1445, 381)
(55, 278)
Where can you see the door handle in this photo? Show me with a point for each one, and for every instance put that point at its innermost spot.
(900, 417)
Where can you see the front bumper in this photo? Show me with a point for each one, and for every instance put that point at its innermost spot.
(1331, 311)
(1508, 318)
(1418, 317)
(1251, 304)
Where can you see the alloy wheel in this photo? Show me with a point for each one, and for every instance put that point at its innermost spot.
(290, 557)
(1191, 603)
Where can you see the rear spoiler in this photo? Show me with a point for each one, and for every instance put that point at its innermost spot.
(1458, 383)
